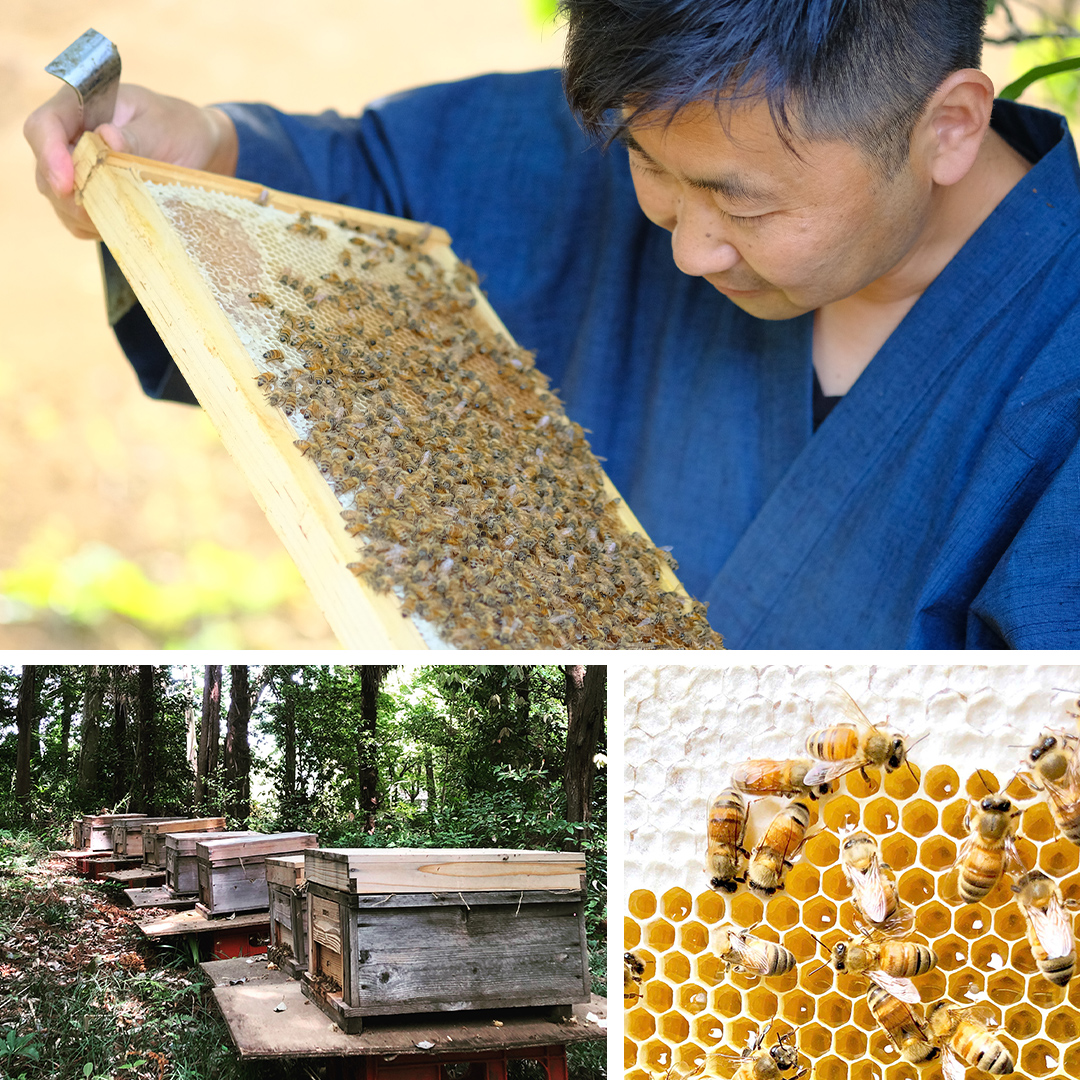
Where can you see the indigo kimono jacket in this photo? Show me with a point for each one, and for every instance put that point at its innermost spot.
(938, 505)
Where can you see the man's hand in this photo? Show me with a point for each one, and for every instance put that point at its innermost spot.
(144, 123)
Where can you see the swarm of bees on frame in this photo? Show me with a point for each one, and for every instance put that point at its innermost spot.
(963, 954)
(470, 493)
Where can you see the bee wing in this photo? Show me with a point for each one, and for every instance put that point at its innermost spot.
(825, 772)
(753, 959)
(904, 989)
(868, 890)
(952, 1068)
(1012, 856)
(965, 849)
(836, 697)
(1053, 928)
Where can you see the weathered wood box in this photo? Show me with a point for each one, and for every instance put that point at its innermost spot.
(97, 830)
(232, 871)
(155, 832)
(128, 835)
(181, 861)
(288, 912)
(396, 931)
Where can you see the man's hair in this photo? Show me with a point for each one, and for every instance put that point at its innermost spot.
(858, 70)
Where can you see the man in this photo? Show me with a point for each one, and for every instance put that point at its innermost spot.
(855, 226)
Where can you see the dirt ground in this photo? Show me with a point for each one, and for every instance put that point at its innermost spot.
(108, 499)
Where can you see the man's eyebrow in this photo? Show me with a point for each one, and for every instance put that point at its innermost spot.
(733, 186)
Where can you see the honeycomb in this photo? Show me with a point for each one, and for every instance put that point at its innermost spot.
(470, 493)
(685, 728)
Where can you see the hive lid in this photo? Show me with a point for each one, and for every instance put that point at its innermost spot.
(172, 825)
(379, 870)
(254, 845)
(189, 839)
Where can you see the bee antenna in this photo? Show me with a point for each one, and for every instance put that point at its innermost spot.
(983, 779)
(1062, 690)
(819, 968)
(819, 941)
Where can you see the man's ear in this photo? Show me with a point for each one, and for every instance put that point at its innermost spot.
(952, 127)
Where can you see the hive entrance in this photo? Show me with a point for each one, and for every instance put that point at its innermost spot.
(466, 493)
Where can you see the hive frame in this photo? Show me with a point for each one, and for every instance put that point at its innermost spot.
(680, 723)
(299, 504)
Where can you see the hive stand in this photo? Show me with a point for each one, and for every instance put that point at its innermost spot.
(221, 939)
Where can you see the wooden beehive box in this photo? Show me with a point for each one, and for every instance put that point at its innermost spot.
(181, 861)
(97, 829)
(232, 871)
(355, 371)
(128, 835)
(288, 912)
(155, 832)
(396, 931)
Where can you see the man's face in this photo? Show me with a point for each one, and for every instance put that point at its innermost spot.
(779, 234)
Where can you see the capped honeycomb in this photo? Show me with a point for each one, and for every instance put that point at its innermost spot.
(470, 494)
(686, 728)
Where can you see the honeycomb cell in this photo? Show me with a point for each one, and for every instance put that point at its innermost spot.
(782, 913)
(834, 884)
(1020, 958)
(746, 909)
(860, 785)
(1018, 789)
(819, 914)
(676, 904)
(920, 817)
(741, 1030)
(707, 1030)
(675, 967)
(1059, 858)
(1037, 823)
(817, 979)
(834, 1010)
(952, 819)
(659, 935)
(1062, 1025)
(799, 942)
(881, 1047)
(640, 1024)
(880, 816)
(761, 1004)
(710, 907)
(693, 937)
(1071, 1061)
(1009, 922)
(692, 998)
(642, 904)
(656, 1056)
(937, 852)
(848, 915)
(673, 1027)
(727, 1001)
(964, 985)
(815, 1040)
(839, 812)
(797, 1008)
(901, 1071)
(1006, 987)
(688, 1060)
(904, 782)
(989, 954)
(952, 951)
(940, 782)
(850, 1042)
(1027, 851)
(803, 880)
(931, 986)
(822, 849)
(658, 996)
(631, 934)
(980, 783)
(972, 920)
(898, 851)
(867, 1070)
(1044, 994)
(916, 886)
(709, 969)
(766, 933)
(1022, 1021)
(862, 1015)
(630, 1056)
(1039, 1058)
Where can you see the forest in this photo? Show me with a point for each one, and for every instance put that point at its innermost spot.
(363, 755)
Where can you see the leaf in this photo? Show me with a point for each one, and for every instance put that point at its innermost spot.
(1018, 86)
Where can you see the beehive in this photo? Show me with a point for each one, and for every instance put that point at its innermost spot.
(154, 834)
(97, 830)
(288, 913)
(428, 458)
(232, 870)
(181, 861)
(684, 731)
(394, 931)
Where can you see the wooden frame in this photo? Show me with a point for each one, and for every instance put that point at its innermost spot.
(299, 503)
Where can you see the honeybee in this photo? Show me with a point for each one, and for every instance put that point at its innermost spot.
(902, 1024)
(845, 747)
(759, 1063)
(741, 952)
(273, 354)
(633, 971)
(964, 1037)
(763, 776)
(989, 845)
(261, 299)
(726, 830)
(783, 838)
(1055, 769)
(1049, 926)
(891, 964)
(873, 887)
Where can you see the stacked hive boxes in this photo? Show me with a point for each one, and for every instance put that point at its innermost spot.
(686, 730)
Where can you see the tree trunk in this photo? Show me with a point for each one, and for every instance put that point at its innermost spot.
(69, 696)
(145, 743)
(237, 751)
(118, 688)
(288, 794)
(93, 696)
(371, 679)
(585, 699)
(209, 735)
(25, 711)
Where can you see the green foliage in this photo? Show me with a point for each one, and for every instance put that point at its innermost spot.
(542, 12)
(1054, 70)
